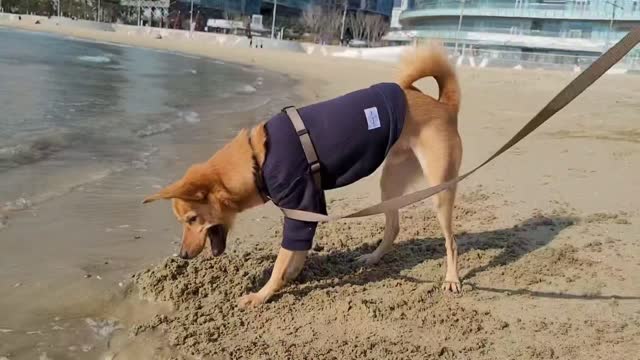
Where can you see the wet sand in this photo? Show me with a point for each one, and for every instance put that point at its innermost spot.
(550, 256)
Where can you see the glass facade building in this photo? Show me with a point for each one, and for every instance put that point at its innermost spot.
(250, 7)
(587, 26)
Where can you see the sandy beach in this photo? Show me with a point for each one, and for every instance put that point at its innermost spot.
(548, 234)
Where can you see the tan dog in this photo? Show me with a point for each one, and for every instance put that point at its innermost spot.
(210, 194)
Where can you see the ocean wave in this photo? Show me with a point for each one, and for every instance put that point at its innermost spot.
(154, 129)
(190, 56)
(189, 117)
(35, 149)
(24, 203)
(95, 59)
(239, 106)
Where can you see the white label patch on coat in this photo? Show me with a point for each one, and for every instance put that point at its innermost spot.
(373, 120)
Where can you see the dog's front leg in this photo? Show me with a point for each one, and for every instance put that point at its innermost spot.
(287, 267)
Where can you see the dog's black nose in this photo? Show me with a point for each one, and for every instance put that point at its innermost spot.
(184, 255)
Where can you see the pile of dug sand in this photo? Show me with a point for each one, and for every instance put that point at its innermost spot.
(340, 309)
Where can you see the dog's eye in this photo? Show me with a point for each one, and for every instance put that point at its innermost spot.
(191, 219)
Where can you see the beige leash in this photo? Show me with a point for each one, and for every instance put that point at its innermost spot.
(568, 94)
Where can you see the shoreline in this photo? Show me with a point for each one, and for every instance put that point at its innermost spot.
(94, 233)
(546, 243)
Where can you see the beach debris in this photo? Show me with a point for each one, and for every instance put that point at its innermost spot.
(17, 205)
(37, 332)
(158, 37)
(44, 356)
(137, 237)
(4, 358)
(72, 348)
(86, 276)
(57, 327)
(86, 348)
(103, 328)
(17, 285)
(4, 221)
(124, 226)
(5, 331)
(98, 277)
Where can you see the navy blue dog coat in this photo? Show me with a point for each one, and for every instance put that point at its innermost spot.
(352, 135)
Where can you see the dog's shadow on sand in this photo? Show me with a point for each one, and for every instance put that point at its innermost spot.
(340, 267)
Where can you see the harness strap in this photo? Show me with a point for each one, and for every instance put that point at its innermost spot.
(307, 144)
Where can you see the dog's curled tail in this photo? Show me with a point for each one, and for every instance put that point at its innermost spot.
(431, 60)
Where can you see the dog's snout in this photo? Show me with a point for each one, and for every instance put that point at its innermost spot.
(184, 254)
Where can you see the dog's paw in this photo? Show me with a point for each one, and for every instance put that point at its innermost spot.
(453, 287)
(250, 300)
(368, 259)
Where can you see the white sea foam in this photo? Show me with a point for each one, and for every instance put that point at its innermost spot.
(17, 205)
(246, 89)
(190, 117)
(95, 59)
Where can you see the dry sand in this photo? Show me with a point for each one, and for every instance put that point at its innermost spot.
(550, 257)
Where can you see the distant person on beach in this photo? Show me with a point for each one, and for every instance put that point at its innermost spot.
(248, 30)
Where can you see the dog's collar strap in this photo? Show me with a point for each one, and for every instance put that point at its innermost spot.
(258, 179)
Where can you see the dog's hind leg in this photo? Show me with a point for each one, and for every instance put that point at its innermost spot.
(400, 170)
(440, 155)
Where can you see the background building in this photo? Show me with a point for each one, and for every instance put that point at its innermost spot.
(286, 8)
(557, 26)
(289, 13)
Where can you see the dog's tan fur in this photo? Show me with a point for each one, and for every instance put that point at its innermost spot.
(212, 193)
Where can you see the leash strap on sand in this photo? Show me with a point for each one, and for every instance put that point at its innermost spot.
(568, 94)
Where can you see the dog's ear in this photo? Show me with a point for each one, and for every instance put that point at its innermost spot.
(180, 189)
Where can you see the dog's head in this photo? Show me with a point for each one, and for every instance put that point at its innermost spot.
(202, 204)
